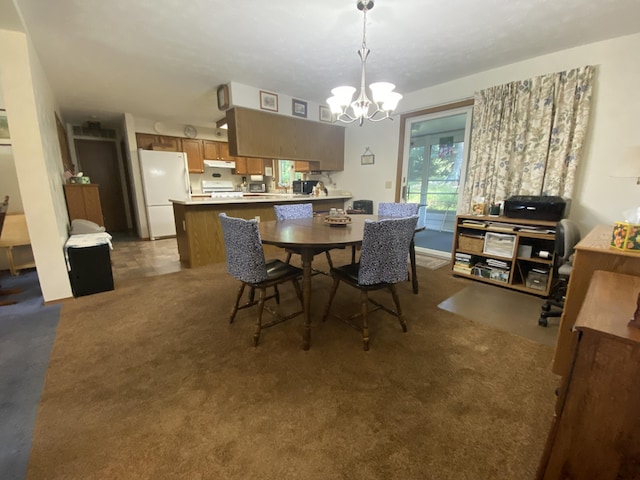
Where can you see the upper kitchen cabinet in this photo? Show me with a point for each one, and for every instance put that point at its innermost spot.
(307, 166)
(149, 141)
(216, 150)
(195, 155)
(251, 166)
(254, 133)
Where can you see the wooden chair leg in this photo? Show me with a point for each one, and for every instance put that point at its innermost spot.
(277, 294)
(364, 300)
(334, 289)
(396, 300)
(234, 310)
(288, 258)
(329, 259)
(256, 335)
(296, 285)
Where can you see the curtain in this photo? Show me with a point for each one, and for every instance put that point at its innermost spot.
(527, 137)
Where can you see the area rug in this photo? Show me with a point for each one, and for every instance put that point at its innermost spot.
(431, 262)
(508, 310)
(151, 381)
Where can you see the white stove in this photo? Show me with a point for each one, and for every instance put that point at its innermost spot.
(220, 189)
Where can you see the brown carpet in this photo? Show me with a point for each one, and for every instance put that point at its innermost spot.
(150, 381)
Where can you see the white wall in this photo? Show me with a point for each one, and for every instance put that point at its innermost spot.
(30, 108)
(616, 107)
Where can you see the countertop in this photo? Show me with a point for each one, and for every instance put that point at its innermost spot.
(197, 199)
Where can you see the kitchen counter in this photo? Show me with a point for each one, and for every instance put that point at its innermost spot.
(203, 199)
(198, 230)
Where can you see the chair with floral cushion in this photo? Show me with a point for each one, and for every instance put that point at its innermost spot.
(246, 262)
(299, 210)
(383, 263)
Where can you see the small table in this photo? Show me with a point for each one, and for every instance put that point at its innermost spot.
(15, 234)
(308, 234)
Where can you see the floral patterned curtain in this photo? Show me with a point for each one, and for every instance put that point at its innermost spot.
(527, 137)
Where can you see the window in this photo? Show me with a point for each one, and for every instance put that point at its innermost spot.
(286, 173)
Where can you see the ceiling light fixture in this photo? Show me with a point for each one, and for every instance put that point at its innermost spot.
(385, 100)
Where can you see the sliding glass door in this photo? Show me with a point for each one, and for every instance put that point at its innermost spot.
(434, 164)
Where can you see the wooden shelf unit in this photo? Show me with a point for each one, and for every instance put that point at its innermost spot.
(519, 267)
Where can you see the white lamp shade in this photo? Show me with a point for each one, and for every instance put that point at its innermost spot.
(380, 91)
(391, 102)
(343, 95)
(334, 105)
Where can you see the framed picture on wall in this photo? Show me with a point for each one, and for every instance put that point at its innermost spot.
(299, 108)
(268, 101)
(4, 125)
(325, 114)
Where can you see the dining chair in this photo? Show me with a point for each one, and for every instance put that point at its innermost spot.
(383, 263)
(246, 262)
(299, 210)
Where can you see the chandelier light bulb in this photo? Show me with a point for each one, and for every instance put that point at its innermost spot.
(385, 100)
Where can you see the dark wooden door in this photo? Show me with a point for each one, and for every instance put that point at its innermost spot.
(99, 161)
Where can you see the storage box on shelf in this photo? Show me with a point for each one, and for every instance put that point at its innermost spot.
(516, 254)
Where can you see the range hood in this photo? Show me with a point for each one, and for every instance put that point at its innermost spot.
(220, 163)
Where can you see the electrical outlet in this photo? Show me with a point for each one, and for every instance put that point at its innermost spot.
(387, 184)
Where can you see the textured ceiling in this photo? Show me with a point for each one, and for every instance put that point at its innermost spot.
(163, 59)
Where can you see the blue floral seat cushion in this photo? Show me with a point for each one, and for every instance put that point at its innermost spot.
(390, 209)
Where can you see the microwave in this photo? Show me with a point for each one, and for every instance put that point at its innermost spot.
(257, 188)
(304, 186)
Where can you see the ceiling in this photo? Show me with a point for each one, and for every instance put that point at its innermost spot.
(163, 59)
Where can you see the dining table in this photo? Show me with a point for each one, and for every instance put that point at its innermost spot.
(310, 234)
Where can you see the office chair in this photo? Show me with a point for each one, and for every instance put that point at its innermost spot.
(383, 263)
(567, 236)
(246, 262)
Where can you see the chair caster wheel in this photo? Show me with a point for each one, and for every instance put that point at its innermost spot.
(542, 321)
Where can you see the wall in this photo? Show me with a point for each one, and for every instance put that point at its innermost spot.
(598, 198)
(30, 107)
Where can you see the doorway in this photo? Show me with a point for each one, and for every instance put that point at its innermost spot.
(99, 161)
(434, 164)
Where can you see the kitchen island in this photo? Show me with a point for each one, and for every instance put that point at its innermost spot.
(198, 230)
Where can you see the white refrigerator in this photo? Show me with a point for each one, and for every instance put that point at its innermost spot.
(165, 175)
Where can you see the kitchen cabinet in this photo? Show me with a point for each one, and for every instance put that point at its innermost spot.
(596, 429)
(195, 154)
(250, 166)
(148, 141)
(307, 166)
(216, 150)
(83, 201)
(255, 133)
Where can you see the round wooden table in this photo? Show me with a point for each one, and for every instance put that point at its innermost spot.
(307, 234)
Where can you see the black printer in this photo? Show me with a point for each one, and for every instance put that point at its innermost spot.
(535, 207)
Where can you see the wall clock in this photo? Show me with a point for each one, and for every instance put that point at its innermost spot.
(190, 131)
(223, 97)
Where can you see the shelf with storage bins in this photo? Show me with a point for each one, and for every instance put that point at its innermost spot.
(512, 253)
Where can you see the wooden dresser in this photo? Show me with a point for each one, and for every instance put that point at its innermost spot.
(83, 201)
(591, 253)
(596, 430)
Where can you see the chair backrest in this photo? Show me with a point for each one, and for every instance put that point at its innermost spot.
(4, 206)
(293, 210)
(389, 209)
(245, 257)
(385, 247)
(365, 205)
(567, 235)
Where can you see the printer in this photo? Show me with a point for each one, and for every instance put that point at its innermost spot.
(535, 207)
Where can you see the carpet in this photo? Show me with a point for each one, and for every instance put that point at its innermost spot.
(508, 310)
(151, 381)
(27, 331)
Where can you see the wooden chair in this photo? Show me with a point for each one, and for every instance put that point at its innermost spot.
(299, 210)
(383, 263)
(4, 206)
(246, 262)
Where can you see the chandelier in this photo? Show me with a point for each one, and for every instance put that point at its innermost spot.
(385, 100)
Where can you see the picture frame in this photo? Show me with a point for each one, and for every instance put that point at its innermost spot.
(223, 97)
(4, 125)
(268, 101)
(368, 159)
(298, 108)
(325, 114)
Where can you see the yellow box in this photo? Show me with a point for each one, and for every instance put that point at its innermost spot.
(626, 237)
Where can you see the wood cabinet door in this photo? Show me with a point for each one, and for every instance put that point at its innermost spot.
(169, 144)
(194, 150)
(211, 150)
(255, 166)
(241, 166)
(223, 151)
(145, 140)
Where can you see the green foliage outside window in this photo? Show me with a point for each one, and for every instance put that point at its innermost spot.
(287, 174)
